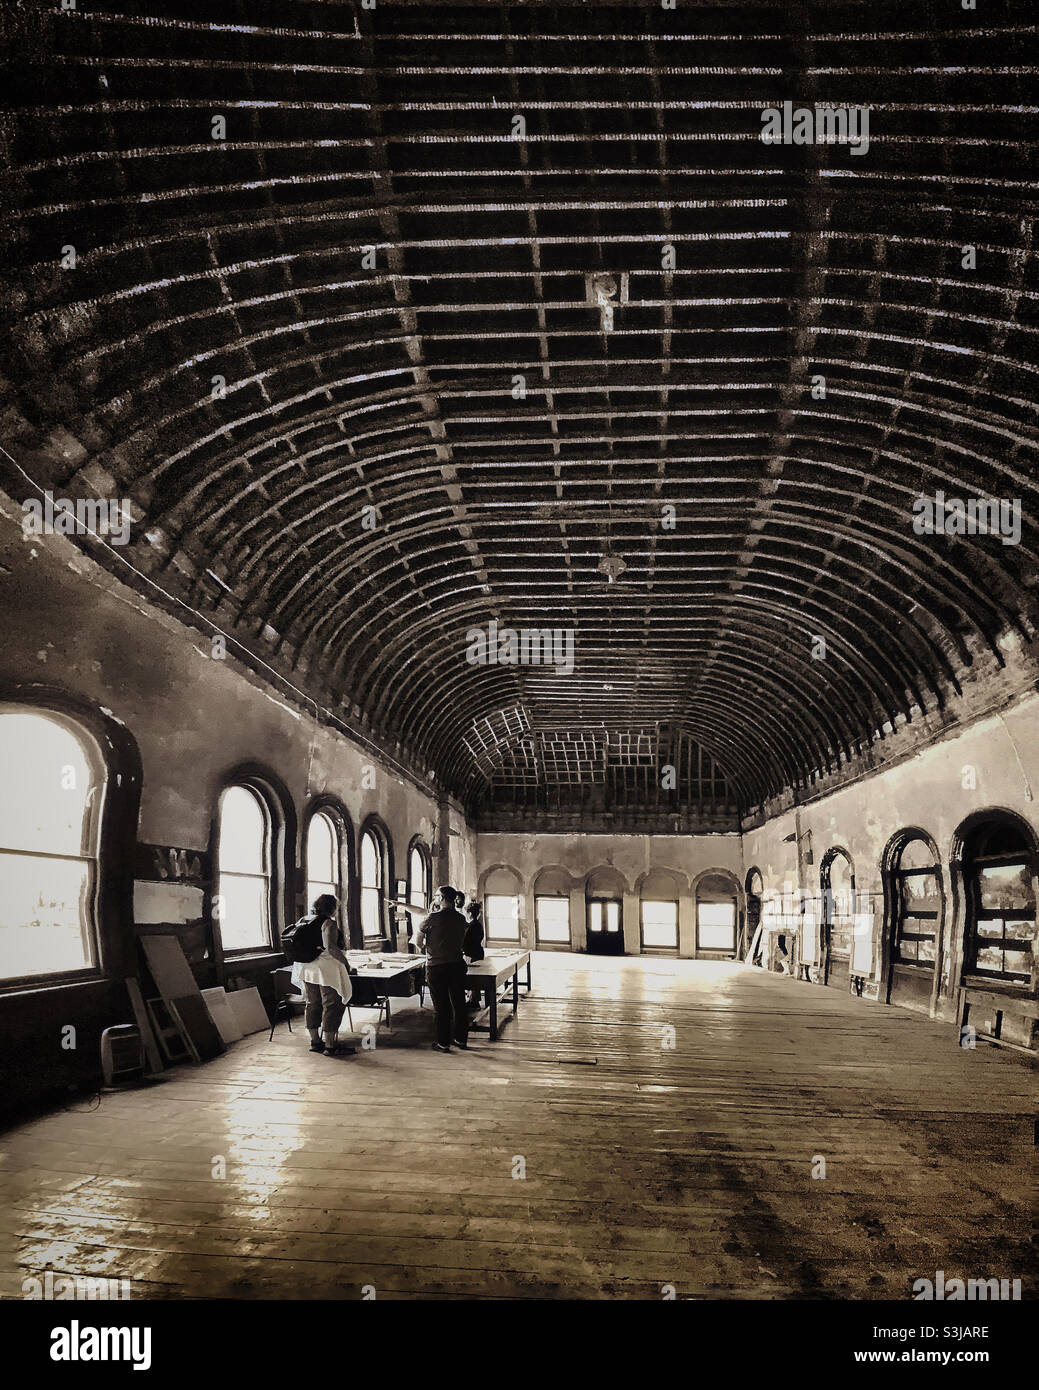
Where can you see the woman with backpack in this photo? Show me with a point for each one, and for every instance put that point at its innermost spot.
(315, 946)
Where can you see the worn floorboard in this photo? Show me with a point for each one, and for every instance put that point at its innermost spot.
(641, 1123)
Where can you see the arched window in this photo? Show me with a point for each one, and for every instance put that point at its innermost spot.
(716, 910)
(243, 906)
(418, 876)
(916, 885)
(1000, 865)
(50, 826)
(323, 858)
(373, 884)
(501, 904)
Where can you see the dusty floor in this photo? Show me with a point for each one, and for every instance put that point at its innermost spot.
(651, 1157)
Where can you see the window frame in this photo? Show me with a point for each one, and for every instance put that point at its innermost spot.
(899, 877)
(488, 918)
(372, 827)
(670, 902)
(549, 942)
(418, 847)
(94, 827)
(604, 931)
(270, 835)
(829, 916)
(699, 902)
(975, 912)
(327, 814)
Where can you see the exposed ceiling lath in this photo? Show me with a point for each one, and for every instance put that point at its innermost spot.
(399, 324)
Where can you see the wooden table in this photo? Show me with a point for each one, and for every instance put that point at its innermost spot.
(393, 979)
(488, 975)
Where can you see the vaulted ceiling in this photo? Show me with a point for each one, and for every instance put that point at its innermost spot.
(397, 322)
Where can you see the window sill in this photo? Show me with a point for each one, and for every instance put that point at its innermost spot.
(48, 984)
(1013, 989)
(252, 955)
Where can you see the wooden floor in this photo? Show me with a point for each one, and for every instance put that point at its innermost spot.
(646, 1164)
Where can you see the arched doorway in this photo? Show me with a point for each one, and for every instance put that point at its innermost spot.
(837, 882)
(755, 886)
(604, 908)
(915, 912)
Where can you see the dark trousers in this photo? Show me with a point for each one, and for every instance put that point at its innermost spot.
(447, 991)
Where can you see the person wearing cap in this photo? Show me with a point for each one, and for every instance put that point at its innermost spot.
(441, 937)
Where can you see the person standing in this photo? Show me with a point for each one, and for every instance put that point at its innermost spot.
(441, 936)
(325, 980)
(472, 946)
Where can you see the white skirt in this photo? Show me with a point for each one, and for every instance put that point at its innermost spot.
(326, 970)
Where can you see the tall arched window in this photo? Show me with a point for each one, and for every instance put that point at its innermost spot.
(50, 824)
(418, 876)
(243, 905)
(373, 881)
(916, 884)
(716, 913)
(999, 864)
(502, 887)
(323, 858)
(658, 909)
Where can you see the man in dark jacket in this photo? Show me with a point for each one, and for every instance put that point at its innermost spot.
(441, 936)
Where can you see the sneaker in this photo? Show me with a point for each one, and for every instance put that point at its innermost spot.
(463, 1045)
(437, 1047)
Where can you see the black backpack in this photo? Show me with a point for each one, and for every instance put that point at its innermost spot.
(303, 941)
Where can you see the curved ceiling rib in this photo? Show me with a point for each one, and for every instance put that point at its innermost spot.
(332, 324)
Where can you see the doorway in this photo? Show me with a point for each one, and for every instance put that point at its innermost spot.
(605, 927)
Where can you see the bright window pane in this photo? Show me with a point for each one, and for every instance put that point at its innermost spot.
(322, 851)
(47, 769)
(371, 866)
(604, 916)
(245, 911)
(52, 807)
(47, 781)
(1006, 887)
(716, 926)
(243, 868)
(322, 858)
(660, 924)
(553, 919)
(45, 906)
(371, 912)
(243, 833)
(502, 917)
(417, 878)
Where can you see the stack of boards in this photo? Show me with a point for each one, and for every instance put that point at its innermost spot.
(204, 1021)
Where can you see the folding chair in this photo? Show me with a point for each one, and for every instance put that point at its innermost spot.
(284, 993)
